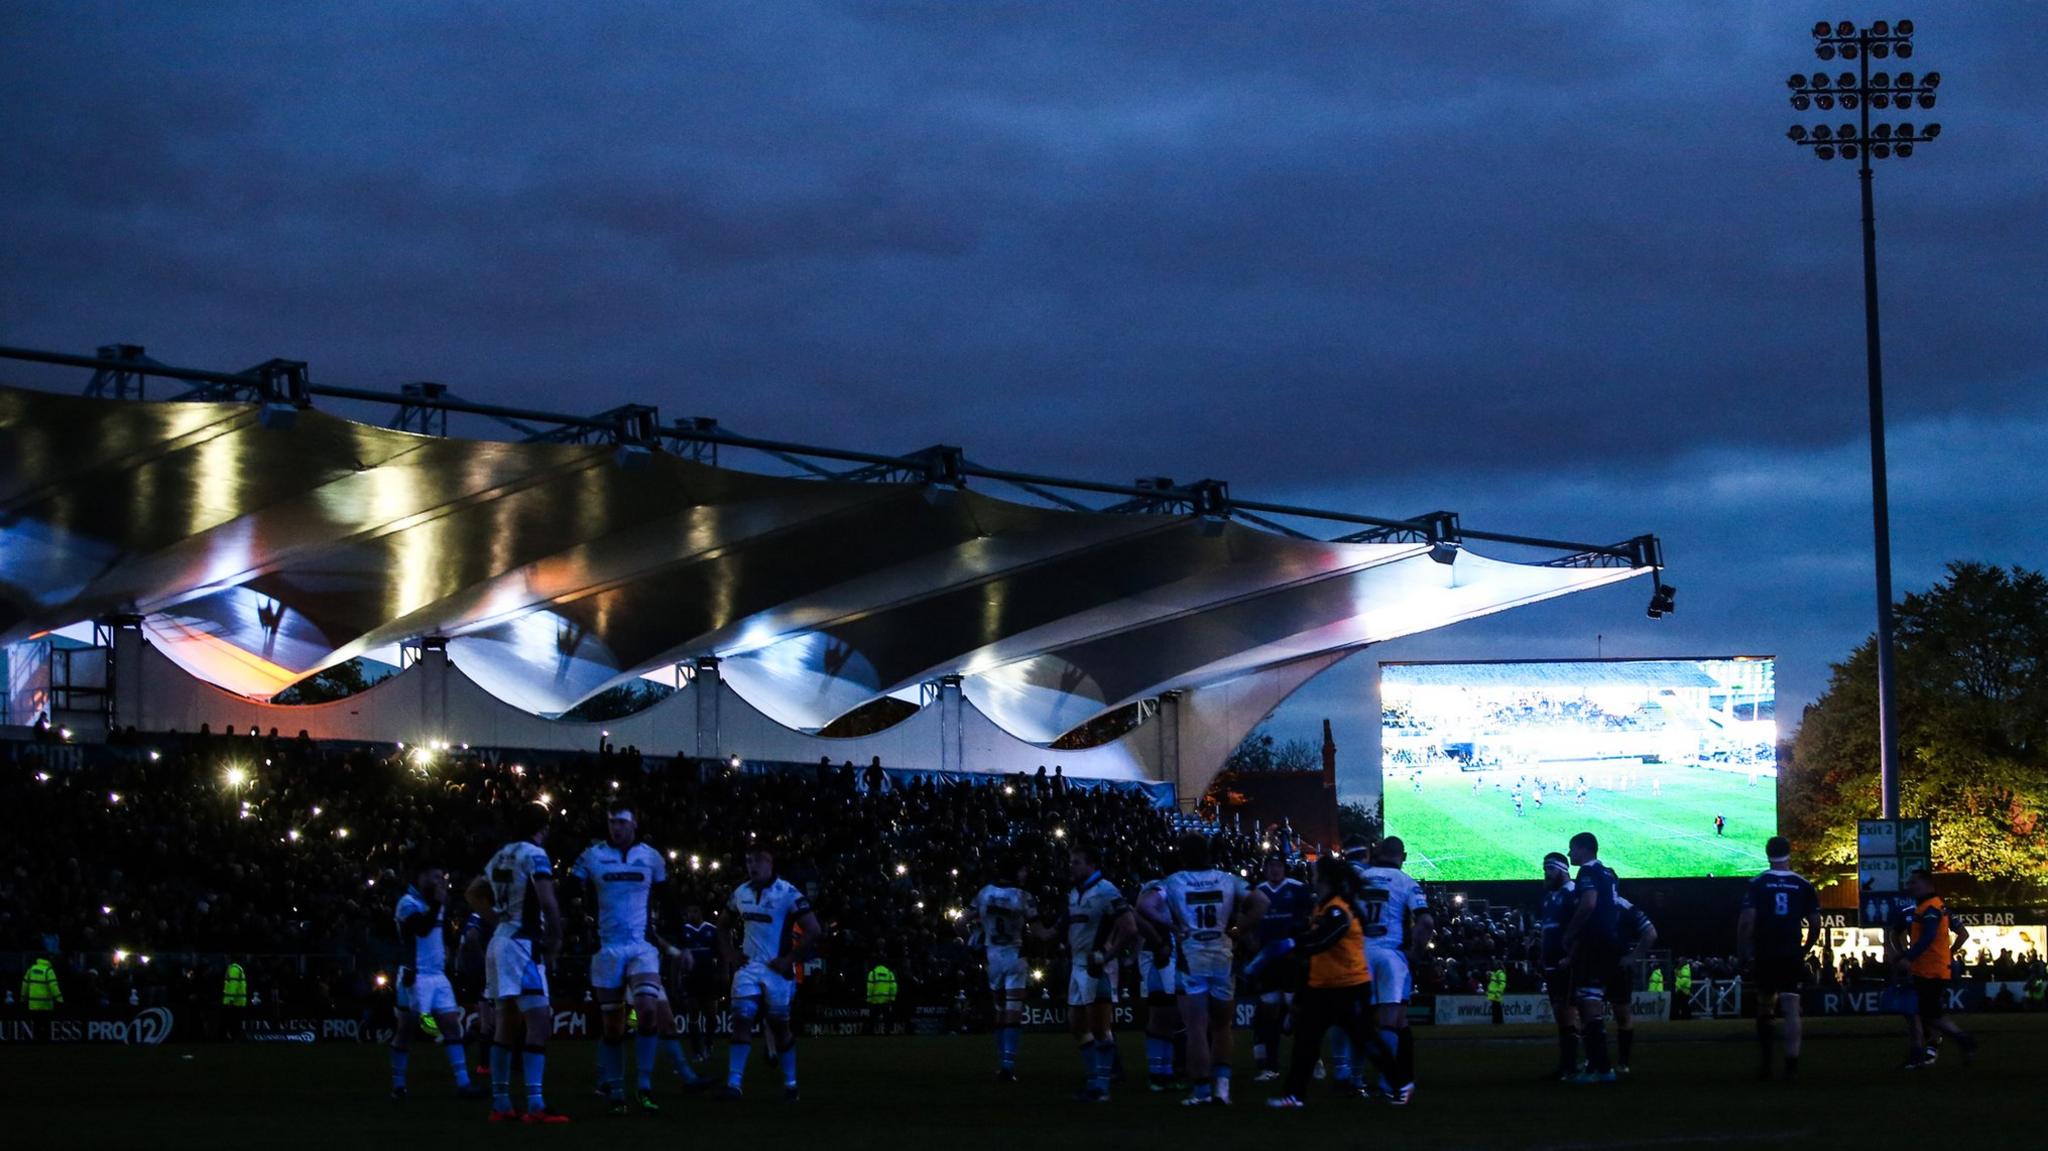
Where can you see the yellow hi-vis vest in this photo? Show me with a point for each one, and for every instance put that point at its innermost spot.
(1496, 985)
(1684, 978)
(881, 985)
(1657, 980)
(39, 987)
(234, 990)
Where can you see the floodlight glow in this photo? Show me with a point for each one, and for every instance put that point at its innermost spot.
(120, 956)
(154, 756)
(235, 776)
(902, 869)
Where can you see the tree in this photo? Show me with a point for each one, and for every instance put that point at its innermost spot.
(1973, 708)
(616, 702)
(1355, 818)
(337, 682)
(1260, 752)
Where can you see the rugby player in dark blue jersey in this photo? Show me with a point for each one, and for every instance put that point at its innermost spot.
(1590, 940)
(1289, 904)
(1779, 925)
(1559, 901)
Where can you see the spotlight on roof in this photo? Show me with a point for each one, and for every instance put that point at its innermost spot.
(1663, 601)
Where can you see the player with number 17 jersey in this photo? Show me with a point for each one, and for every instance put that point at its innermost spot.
(1388, 897)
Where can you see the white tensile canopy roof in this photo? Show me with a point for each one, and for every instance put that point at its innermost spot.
(259, 554)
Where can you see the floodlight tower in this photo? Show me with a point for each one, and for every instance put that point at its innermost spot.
(1860, 92)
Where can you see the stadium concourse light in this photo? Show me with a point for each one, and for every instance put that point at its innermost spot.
(1861, 92)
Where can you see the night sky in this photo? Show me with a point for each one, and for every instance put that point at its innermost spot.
(1552, 266)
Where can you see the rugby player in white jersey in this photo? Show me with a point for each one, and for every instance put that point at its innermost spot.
(622, 874)
(423, 987)
(1159, 981)
(1397, 926)
(771, 913)
(524, 944)
(1207, 905)
(1001, 910)
(1099, 926)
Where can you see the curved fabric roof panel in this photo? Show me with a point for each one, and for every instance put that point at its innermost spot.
(260, 549)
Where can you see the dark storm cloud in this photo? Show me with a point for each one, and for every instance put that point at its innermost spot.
(1408, 256)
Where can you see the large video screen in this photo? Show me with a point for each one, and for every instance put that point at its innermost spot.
(1485, 767)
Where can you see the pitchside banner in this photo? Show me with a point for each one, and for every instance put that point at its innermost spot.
(1459, 1010)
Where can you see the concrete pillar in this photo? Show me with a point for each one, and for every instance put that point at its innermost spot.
(952, 725)
(433, 669)
(1168, 724)
(126, 673)
(708, 689)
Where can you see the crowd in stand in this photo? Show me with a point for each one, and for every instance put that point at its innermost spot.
(268, 850)
(155, 862)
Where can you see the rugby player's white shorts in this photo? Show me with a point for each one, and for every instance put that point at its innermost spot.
(1209, 973)
(1157, 980)
(1006, 969)
(512, 972)
(1084, 989)
(427, 995)
(1390, 979)
(755, 981)
(618, 965)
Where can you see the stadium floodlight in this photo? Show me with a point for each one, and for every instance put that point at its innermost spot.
(1663, 601)
(1859, 92)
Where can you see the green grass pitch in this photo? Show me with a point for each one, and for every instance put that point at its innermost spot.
(1645, 831)
(1693, 1086)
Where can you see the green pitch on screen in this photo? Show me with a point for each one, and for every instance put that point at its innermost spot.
(1661, 826)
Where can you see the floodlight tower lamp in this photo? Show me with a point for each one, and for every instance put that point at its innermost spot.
(1862, 91)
